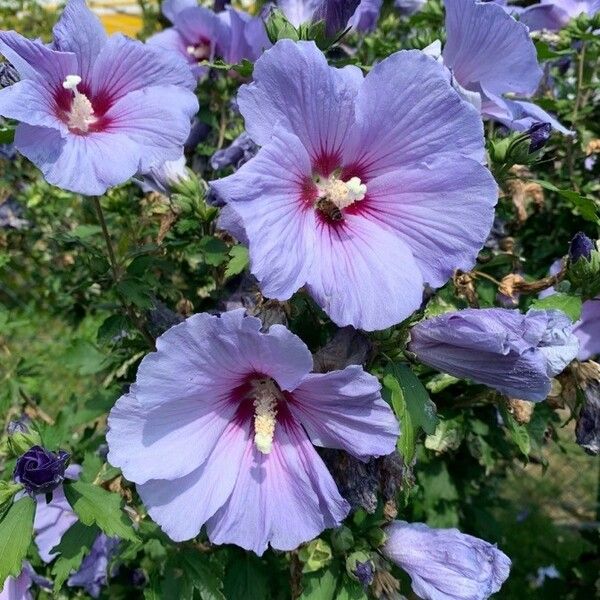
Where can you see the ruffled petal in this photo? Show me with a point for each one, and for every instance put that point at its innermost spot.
(33, 60)
(126, 65)
(298, 11)
(486, 47)
(544, 16)
(266, 193)
(295, 88)
(28, 101)
(442, 210)
(345, 410)
(407, 111)
(87, 164)
(142, 114)
(79, 31)
(183, 505)
(283, 498)
(364, 275)
(171, 8)
(155, 443)
(52, 520)
(587, 330)
(216, 354)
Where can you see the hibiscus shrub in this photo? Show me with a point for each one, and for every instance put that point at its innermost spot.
(292, 298)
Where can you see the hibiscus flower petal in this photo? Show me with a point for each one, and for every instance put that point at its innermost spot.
(443, 210)
(345, 410)
(183, 505)
(364, 275)
(282, 498)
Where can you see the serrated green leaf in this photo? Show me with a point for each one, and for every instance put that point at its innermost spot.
(16, 531)
(518, 433)
(411, 404)
(588, 208)
(448, 435)
(94, 505)
(200, 575)
(350, 590)
(214, 250)
(570, 305)
(74, 545)
(238, 261)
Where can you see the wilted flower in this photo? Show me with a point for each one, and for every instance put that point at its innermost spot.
(445, 564)
(587, 431)
(363, 203)
(219, 427)
(490, 54)
(41, 471)
(93, 573)
(199, 34)
(8, 74)
(92, 109)
(504, 349)
(240, 151)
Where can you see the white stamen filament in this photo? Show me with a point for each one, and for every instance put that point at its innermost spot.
(342, 193)
(265, 396)
(199, 52)
(81, 115)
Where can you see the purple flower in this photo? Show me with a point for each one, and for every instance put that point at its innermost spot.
(580, 247)
(445, 564)
(41, 471)
(18, 588)
(92, 109)
(240, 151)
(490, 54)
(337, 14)
(555, 14)
(162, 178)
(364, 188)
(93, 573)
(199, 34)
(220, 424)
(513, 353)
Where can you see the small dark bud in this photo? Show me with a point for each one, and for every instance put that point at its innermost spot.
(360, 567)
(335, 14)
(539, 134)
(8, 75)
(139, 578)
(580, 247)
(41, 471)
(240, 151)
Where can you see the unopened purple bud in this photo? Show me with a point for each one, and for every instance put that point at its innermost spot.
(539, 134)
(364, 573)
(336, 14)
(240, 151)
(41, 471)
(20, 425)
(580, 247)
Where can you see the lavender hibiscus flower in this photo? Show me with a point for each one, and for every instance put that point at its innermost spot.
(220, 425)
(490, 54)
(199, 34)
(504, 349)
(92, 109)
(364, 188)
(555, 14)
(18, 588)
(445, 564)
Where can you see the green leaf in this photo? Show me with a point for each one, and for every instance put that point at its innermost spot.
(412, 406)
(440, 382)
(351, 590)
(7, 134)
(84, 358)
(8, 489)
(200, 575)
(588, 208)
(16, 531)
(246, 578)
(136, 292)
(321, 585)
(214, 250)
(518, 433)
(238, 261)
(93, 504)
(448, 435)
(570, 305)
(74, 545)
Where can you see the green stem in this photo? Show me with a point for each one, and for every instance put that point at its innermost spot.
(116, 275)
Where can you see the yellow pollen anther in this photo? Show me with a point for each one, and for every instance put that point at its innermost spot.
(265, 396)
(81, 115)
(342, 193)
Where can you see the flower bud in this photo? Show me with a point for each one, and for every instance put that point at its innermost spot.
(580, 247)
(584, 266)
(315, 555)
(41, 471)
(539, 134)
(279, 28)
(361, 568)
(21, 436)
